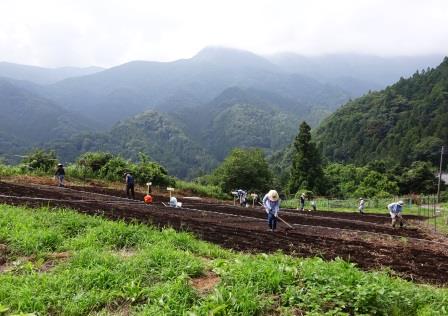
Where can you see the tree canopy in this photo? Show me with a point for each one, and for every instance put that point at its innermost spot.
(306, 170)
(243, 169)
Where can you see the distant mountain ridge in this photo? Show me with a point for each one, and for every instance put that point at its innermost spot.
(217, 100)
(41, 75)
(128, 89)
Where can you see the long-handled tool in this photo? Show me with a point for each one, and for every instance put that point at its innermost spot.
(289, 225)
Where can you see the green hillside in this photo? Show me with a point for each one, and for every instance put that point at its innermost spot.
(27, 119)
(407, 121)
(150, 133)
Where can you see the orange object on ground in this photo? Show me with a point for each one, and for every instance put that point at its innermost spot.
(148, 199)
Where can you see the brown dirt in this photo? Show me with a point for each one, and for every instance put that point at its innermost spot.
(51, 260)
(368, 241)
(205, 283)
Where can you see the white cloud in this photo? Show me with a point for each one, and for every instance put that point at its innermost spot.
(106, 33)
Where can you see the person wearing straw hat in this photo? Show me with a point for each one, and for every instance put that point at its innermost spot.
(395, 212)
(271, 203)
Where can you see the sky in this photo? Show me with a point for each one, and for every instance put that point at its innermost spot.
(55, 33)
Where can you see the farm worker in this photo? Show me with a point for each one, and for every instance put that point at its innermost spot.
(173, 201)
(60, 174)
(302, 201)
(362, 205)
(129, 184)
(395, 212)
(242, 197)
(271, 204)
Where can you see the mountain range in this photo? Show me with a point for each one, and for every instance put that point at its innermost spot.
(187, 114)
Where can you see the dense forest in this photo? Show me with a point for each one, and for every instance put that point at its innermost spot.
(405, 122)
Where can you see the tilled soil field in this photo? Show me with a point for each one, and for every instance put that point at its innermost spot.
(368, 240)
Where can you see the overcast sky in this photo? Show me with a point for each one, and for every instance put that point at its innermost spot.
(57, 33)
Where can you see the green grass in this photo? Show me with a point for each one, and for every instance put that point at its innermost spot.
(202, 190)
(7, 171)
(114, 266)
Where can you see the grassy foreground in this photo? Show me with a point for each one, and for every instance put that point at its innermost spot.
(59, 262)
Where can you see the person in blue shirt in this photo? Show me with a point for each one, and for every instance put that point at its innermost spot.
(271, 203)
(395, 210)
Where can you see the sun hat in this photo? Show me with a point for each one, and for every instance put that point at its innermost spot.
(273, 195)
(361, 198)
(400, 202)
(303, 194)
(59, 165)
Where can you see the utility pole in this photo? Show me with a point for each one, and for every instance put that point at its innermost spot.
(440, 174)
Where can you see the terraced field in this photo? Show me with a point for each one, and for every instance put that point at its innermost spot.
(369, 241)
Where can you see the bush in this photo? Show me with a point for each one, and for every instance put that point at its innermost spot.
(114, 169)
(40, 160)
(94, 160)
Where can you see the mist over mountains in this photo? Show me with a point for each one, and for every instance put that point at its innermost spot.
(187, 114)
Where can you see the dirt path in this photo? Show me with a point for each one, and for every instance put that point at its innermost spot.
(372, 244)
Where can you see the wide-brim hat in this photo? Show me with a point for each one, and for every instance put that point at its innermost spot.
(59, 165)
(273, 195)
(303, 194)
(400, 202)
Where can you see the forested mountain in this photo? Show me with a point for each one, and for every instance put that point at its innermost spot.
(193, 140)
(42, 75)
(242, 118)
(126, 90)
(150, 133)
(28, 119)
(354, 73)
(217, 100)
(407, 121)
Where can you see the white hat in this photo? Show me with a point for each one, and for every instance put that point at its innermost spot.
(400, 202)
(273, 195)
(361, 198)
(303, 194)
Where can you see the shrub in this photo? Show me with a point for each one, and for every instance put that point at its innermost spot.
(40, 160)
(94, 160)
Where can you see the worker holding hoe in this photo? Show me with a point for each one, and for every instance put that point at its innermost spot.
(271, 204)
(395, 212)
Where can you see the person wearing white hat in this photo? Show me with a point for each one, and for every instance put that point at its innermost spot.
(362, 205)
(395, 212)
(60, 174)
(271, 203)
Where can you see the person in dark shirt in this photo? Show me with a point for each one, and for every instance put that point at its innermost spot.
(129, 184)
(60, 174)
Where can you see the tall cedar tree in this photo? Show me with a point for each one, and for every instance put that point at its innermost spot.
(306, 170)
